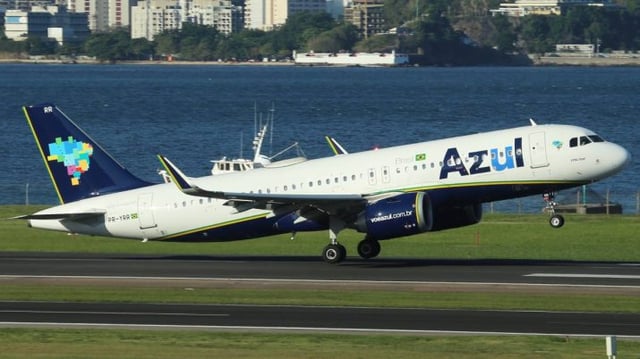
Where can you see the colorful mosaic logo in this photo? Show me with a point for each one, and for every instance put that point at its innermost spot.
(557, 144)
(74, 154)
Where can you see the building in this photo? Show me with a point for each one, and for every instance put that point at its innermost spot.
(96, 10)
(53, 22)
(367, 16)
(119, 13)
(19, 24)
(269, 14)
(25, 5)
(103, 14)
(151, 17)
(521, 8)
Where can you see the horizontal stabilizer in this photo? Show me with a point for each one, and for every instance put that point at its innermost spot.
(59, 216)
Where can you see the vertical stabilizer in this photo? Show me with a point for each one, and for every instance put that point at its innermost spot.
(78, 166)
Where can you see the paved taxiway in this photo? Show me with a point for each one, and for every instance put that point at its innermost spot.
(487, 275)
(297, 318)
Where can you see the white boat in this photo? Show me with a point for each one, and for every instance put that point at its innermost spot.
(351, 58)
(226, 165)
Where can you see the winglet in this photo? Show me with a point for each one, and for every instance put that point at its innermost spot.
(335, 146)
(176, 175)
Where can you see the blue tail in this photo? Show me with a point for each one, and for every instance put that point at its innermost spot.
(78, 166)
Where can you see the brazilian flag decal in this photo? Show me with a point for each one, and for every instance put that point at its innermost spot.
(421, 156)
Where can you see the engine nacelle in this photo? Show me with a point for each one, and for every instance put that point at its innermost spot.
(454, 216)
(397, 216)
(413, 213)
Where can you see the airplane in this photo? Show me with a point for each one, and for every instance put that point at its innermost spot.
(386, 193)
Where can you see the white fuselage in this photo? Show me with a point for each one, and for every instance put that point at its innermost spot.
(519, 161)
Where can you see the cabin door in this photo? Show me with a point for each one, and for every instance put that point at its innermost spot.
(145, 212)
(538, 150)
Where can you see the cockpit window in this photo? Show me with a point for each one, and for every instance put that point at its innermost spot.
(584, 140)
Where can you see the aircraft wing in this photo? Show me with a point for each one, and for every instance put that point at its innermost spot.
(246, 200)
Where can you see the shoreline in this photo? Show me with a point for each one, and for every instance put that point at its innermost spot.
(585, 61)
(536, 61)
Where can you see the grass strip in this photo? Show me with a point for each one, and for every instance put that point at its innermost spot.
(499, 236)
(97, 343)
(353, 298)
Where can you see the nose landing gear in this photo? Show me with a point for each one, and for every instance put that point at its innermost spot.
(555, 220)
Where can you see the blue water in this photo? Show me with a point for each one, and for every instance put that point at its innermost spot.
(194, 114)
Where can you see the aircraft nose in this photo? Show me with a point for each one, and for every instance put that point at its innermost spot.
(618, 157)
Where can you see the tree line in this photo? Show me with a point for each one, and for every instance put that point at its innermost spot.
(441, 32)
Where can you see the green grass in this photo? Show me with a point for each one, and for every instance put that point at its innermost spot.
(94, 343)
(498, 236)
(452, 299)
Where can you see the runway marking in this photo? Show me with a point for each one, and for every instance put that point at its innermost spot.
(581, 275)
(297, 329)
(163, 314)
(326, 281)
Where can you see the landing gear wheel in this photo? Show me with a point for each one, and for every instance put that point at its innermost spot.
(334, 253)
(556, 221)
(368, 248)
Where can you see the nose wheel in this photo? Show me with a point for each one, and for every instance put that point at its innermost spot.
(556, 220)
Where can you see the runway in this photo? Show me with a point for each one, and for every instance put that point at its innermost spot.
(312, 268)
(316, 319)
(421, 274)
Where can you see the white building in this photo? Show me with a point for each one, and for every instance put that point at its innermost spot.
(19, 24)
(46, 22)
(521, 8)
(103, 14)
(119, 13)
(269, 14)
(151, 17)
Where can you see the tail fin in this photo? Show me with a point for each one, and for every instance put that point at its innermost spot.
(78, 166)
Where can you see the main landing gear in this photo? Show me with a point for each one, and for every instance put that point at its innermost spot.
(555, 220)
(335, 252)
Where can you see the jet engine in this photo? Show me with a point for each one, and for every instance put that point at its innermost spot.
(413, 213)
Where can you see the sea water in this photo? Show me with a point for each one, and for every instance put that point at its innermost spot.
(194, 113)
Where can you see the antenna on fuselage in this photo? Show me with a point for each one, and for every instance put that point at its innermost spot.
(533, 123)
